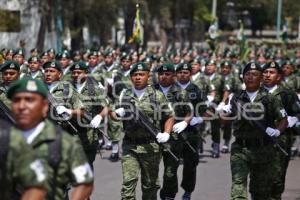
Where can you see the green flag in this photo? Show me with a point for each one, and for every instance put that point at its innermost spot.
(138, 31)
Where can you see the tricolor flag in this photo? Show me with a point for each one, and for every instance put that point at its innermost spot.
(138, 31)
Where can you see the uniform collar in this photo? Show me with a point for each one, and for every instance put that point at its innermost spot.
(31, 134)
(47, 134)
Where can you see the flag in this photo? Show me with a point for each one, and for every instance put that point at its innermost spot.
(242, 41)
(284, 33)
(138, 31)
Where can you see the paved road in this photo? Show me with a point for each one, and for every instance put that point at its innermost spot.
(213, 179)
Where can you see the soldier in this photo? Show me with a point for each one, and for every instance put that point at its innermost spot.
(64, 60)
(253, 150)
(271, 80)
(63, 154)
(10, 73)
(140, 150)
(289, 78)
(197, 98)
(26, 171)
(51, 53)
(76, 56)
(45, 58)
(215, 97)
(34, 64)
(95, 103)
(34, 52)
(19, 57)
(67, 101)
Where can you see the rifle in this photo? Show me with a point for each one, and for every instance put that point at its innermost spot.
(53, 103)
(6, 113)
(263, 128)
(152, 130)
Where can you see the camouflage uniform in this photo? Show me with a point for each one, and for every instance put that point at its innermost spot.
(37, 75)
(3, 97)
(73, 167)
(291, 104)
(253, 151)
(25, 170)
(140, 151)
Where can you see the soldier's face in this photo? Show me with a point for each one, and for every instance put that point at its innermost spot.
(252, 80)
(287, 70)
(51, 75)
(9, 76)
(183, 76)
(126, 64)
(64, 62)
(108, 60)
(28, 109)
(79, 76)
(19, 59)
(34, 66)
(44, 59)
(271, 77)
(93, 61)
(140, 79)
(166, 78)
(210, 69)
(225, 70)
(196, 68)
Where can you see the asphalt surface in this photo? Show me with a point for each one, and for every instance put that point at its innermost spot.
(213, 178)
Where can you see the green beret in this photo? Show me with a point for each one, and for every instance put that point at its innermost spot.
(287, 62)
(272, 65)
(93, 53)
(51, 50)
(19, 52)
(64, 54)
(140, 66)
(10, 64)
(108, 53)
(125, 56)
(34, 50)
(52, 64)
(34, 59)
(76, 53)
(10, 51)
(166, 67)
(45, 53)
(183, 66)
(226, 63)
(211, 62)
(252, 66)
(27, 84)
(79, 65)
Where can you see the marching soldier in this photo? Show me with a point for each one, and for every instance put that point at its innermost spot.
(64, 60)
(140, 151)
(34, 65)
(254, 112)
(62, 153)
(19, 57)
(26, 171)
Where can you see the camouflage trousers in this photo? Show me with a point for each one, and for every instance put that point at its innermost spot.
(255, 162)
(114, 130)
(138, 159)
(281, 163)
(190, 163)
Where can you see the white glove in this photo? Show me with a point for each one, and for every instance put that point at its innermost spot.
(179, 127)
(272, 132)
(162, 137)
(110, 81)
(210, 98)
(120, 112)
(196, 120)
(220, 107)
(96, 121)
(292, 121)
(61, 109)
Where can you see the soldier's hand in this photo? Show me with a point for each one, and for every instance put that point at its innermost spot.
(272, 132)
(196, 120)
(179, 127)
(61, 109)
(162, 137)
(96, 121)
(292, 121)
(120, 112)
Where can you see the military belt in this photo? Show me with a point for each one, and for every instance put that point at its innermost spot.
(253, 142)
(138, 141)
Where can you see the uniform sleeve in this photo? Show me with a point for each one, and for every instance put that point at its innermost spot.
(279, 112)
(28, 170)
(76, 102)
(81, 171)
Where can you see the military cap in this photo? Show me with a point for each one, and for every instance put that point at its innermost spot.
(10, 51)
(108, 53)
(226, 63)
(211, 62)
(52, 64)
(27, 84)
(140, 66)
(166, 67)
(64, 54)
(93, 53)
(196, 61)
(287, 62)
(76, 53)
(125, 56)
(34, 50)
(183, 66)
(79, 65)
(51, 50)
(10, 64)
(162, 59)
(272, 64)
(33, 59)
(45, 53)
(252, 66)
(19, 52)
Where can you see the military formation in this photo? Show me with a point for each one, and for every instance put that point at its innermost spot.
(59, 109)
